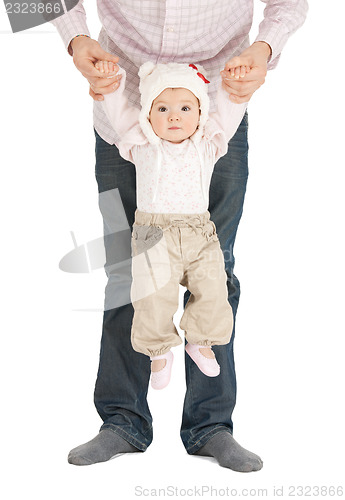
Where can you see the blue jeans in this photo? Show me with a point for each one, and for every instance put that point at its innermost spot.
(123, 375)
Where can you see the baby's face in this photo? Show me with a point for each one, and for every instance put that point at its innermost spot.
(174, 114)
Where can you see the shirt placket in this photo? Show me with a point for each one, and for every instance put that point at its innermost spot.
(170, 31)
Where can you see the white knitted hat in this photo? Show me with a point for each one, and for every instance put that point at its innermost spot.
(154, 78)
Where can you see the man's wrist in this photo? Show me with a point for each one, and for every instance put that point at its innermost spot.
(266, 48)
(74, 41)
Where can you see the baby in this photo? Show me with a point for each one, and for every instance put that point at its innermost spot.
(174, 143)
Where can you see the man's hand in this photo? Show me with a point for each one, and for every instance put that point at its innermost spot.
(241, 83)
(86, 52)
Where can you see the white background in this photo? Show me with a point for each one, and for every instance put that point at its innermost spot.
(290, 249)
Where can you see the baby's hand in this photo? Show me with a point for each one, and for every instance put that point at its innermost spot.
(237, 72)
(108, 68)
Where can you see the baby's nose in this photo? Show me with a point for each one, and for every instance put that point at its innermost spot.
(174, 116)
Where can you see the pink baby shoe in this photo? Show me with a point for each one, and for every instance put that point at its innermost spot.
(161, 379)
(208, 366)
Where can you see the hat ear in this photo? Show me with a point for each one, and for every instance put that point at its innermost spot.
(146, 69)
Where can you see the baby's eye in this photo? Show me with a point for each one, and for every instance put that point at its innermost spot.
(185, 108)
(162, 109)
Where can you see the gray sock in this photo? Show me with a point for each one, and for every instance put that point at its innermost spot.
(102, 448)
(230, 454)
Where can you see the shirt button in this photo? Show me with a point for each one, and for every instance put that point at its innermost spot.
(170, 29)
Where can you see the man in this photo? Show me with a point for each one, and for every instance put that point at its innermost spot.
(214, 34)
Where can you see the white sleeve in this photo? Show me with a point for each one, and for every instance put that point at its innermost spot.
(223, 124)
(124, 119)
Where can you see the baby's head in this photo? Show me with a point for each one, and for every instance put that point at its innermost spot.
(174, 101)
(175, 114)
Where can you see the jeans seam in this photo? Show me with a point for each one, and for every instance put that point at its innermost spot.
(216, 430)
(191, 390)
(128, 437)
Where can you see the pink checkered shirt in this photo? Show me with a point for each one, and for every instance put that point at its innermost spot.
(208, 32)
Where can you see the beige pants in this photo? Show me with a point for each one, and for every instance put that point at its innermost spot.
(173, 249)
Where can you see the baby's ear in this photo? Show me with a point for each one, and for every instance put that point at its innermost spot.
(146, 69)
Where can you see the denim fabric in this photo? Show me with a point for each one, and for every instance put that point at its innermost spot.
(123, 374)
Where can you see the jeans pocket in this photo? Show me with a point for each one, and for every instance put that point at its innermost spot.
(210, 231)
(144, 238)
